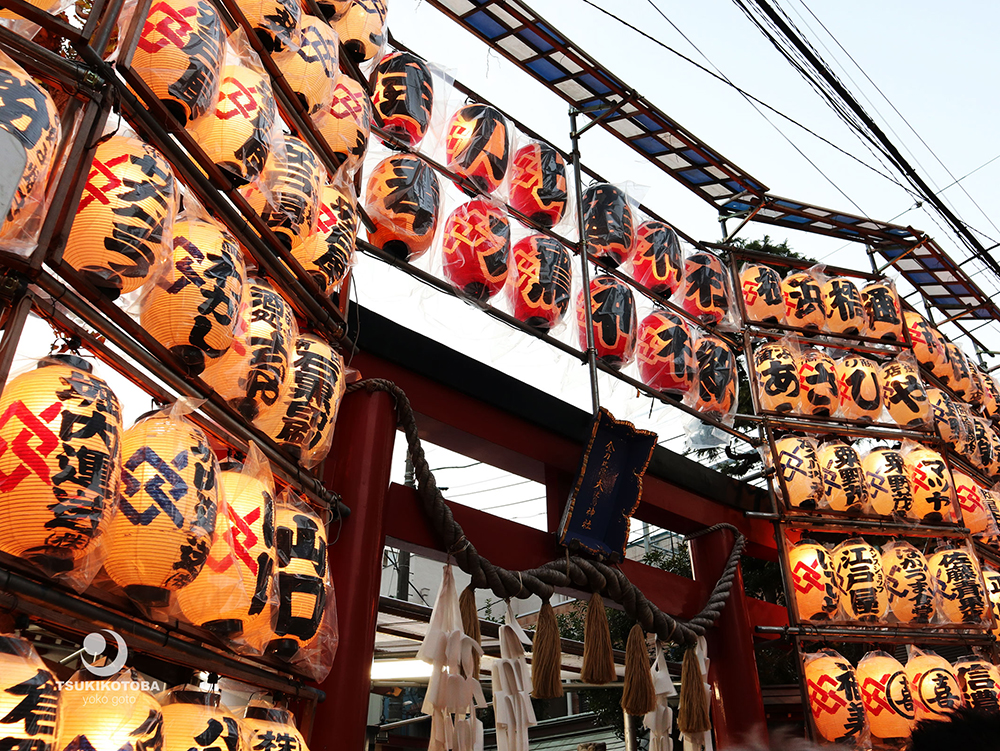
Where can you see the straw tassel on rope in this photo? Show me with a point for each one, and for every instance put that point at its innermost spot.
(598, 654)
(470, 620)
(692, 715)
(546, 656)
(638, 695)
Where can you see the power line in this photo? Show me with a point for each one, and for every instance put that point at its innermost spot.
(489, 490)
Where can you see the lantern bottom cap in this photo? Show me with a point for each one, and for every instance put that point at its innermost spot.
(51, 561)
(246, 406)
(154, 597)
(107, 282)
(356, 50)
(477, 291)
(538, 323)
(225, 627)
(399, 249)
(284, 649)
(192, 358)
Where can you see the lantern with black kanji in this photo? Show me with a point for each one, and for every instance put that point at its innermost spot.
(904, 395)
(56, 499)
(812, 582)
(543, 278)
(237, 135)
(928, 346)
(804, 306)
(980, 683)
(834, 697)
(192, 308)
(361, 29)
(706, 290)
(114, 714)
(28, 113)
(273, 729)
(28, 696)
(859, 388)
(843, 482)
(947, 423)
(403, 199)
(845, 312)
(991, 397)
(960, 379)
(959, 585)
(931, 483)
(160, 537)
(715, 365)
(613, 311)
(327, 252)
(777, 378)
(857, 568)
(273, 21)
(889, 490)
(799, 470)
(403, 96)
(885, 320)
(608, 223)
(179, 54)
(908, 582)
(657, 261)
(885, 692)
(969, 494)
(819, 395)
(311, 67)
(666, 353)
(538, 184)
(119, 233)
(477, 146)
(933, 685)
(991, 579)
(347, 123)
(196, 721)
(761, 288)
(476, 249)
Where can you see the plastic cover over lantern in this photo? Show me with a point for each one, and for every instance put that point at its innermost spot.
(403, 96)
(543, 279)
(761, 287)
(859, 388)
(834, 698)
(476, 248)
(478, 146)
(909, 583)
(969, 494)
(706, 289)
(538, 184)
(843, 482)
(347, 124)
(273, 21)
(959, 585)
(889, 489)
(813, 585)
(28, 696)
(857, 567)
(991, 579)
(311, 63)
(716, 377)
(777, 378)
(933, 684)
(196, 721)
(817, 383)
(904, 395)
(658, 260)
(885, 321)
(115, 714)
(885, 692)
(327, 252)
(608, 223)
(931, 483)
(803, 301)
(800, 472)
(273, 729)
(666, 353)
(613, 310)
(845, 312)
(928, 346)
(403, 199)
(361, 29)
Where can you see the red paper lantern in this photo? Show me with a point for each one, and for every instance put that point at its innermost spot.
(538, 184)
(706, 291)
(843, 478)
(666, 353)
(403, 96)
(812, 582)
(885, 321)
(608, 223)
(845, 312)
(818, 383)
(777, 378)
(761, 287)
(543, 273)
(658, 262)
(804, 306)
(478, 146)
(613, 313)
(476, 247)
(716, 367)
(403, 199)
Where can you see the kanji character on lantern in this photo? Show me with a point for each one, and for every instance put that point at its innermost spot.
(857, 567)
(813, 585)
(803, 301)
(959, 584)
(908, 582)
(889, 489)
(799, 472)
(777, 378)
(843, 477)
(933, 684)
(818, 383)
(834, 697)
(761, 288)
(885, 321)
(845, 312)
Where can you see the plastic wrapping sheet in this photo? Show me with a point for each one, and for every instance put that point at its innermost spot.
(931, 483)
(270, 728)
(541, 284)
(114, 714)
(881, 302)
(327, 253)
(716, 380)
(844, 487)
(29, 693)
(346, 124)
(947, 423)
(800, 475)
(984, 455)
(361, 29)
(275, 22)
(845, 311)
(310, 63)
(778, 377)
(928, 345)
(614, 318)
(836, 708)
(666, 353)
(334, 10)
(475, 248)
(819, 392)
(195, 720)
(803, 295)
(761, 289)
(860, 389)
(885, 692)
(903, 393)
(609, 223)
(813, 585)
(909, 582)
(403, 198)
(979, 680)
(959, 379)
(958, 581)
(857, 569)
(933, 685)
(539, 183)
(478, 147)
(890, 492)
(705, 292)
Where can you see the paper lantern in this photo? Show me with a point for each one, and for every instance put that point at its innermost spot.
(274, 21)
(960, 378)
(403, 96)
(800, 472)
(804, 306)
(959, 584)
(117, 238)
(538, 184)
(975, 514)
(967, 446)
(991, 579)
(272, 729)
(608, 223)
(904, 395)
(777, 378)
(476, 248)
(932, 486)
(235, 585)
(543, 271)
(991, 397)
(857, 568)
(326, 253)
(60, 452)
(834, 697)
(227, 374)
(845, 312)
(859, 388)
(908, 582)
(889, 489)
(706, 291)
(885, 692)
(478, 146)
(28, 696)
(179, 54)
(819, 396)
(288, 199)
(195, 721)
(110, 715)
(192, 309)
(812, 582)
(613, 311)
(843, 477)
(716, 379)
(657, 261)
(928, 347)
(947, 423)
(403, 199)
(666, 353)
(347, 124)
(882, 309)
(761, 287)
(312, 67)
(28, 113)
(360, 29)
(980, 684)
(933, 685)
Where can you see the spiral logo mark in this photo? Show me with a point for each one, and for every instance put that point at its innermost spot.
(94, 644)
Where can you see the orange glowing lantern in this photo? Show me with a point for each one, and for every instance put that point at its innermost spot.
(908, 582)
(403, 199)
(311, 69)
(857, 568)
(933, 684)
(716, 379)
(361, 29)
(192, 309)
(843, 481)
(403, 96)
(273, 21)
(538, 184)
(804, 306)
(195, 721)
(859, 389)
(613, 310)
(817, 383)
(777, 378)
(71, 422)
(346, 125)
(543, 277)
(117, 238)
(326, 254)
(960, 377)
(666, 353)
(800, 472)
(991, 579)
(889, 489)
(227, 374)
(271, 728)
(947, 422)
(834, 697)
(844, 309)
(967, 447)
(762, 296)
(969, 494)
(932, 486)
(478, 146)
(991, 397)
(959, 582)
(928, 346)
(608, 223)
(179, 54)
(904, 395)
(980, 683)
(110, 715)
(658, 262)
(706, 291)
(882, 308)
(885, 692)
(476, 248)
(28, 695)
(812, 582)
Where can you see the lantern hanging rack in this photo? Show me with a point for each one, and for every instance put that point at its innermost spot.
(841, 522)
(893, 635)
(840, 426)
(774, 331)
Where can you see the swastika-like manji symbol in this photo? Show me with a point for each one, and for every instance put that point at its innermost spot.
(806, 577)
(163, 498)
(875, 696)
(32, 445)
(823, 700)
(96, 190)
(241, 98)
(172, 26)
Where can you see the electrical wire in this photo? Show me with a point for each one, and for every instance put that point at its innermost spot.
(460, 466)
(488, 490)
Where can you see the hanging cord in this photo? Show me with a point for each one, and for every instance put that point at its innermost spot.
(572, 571)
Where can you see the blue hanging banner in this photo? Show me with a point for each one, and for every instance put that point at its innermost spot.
(608, 487)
